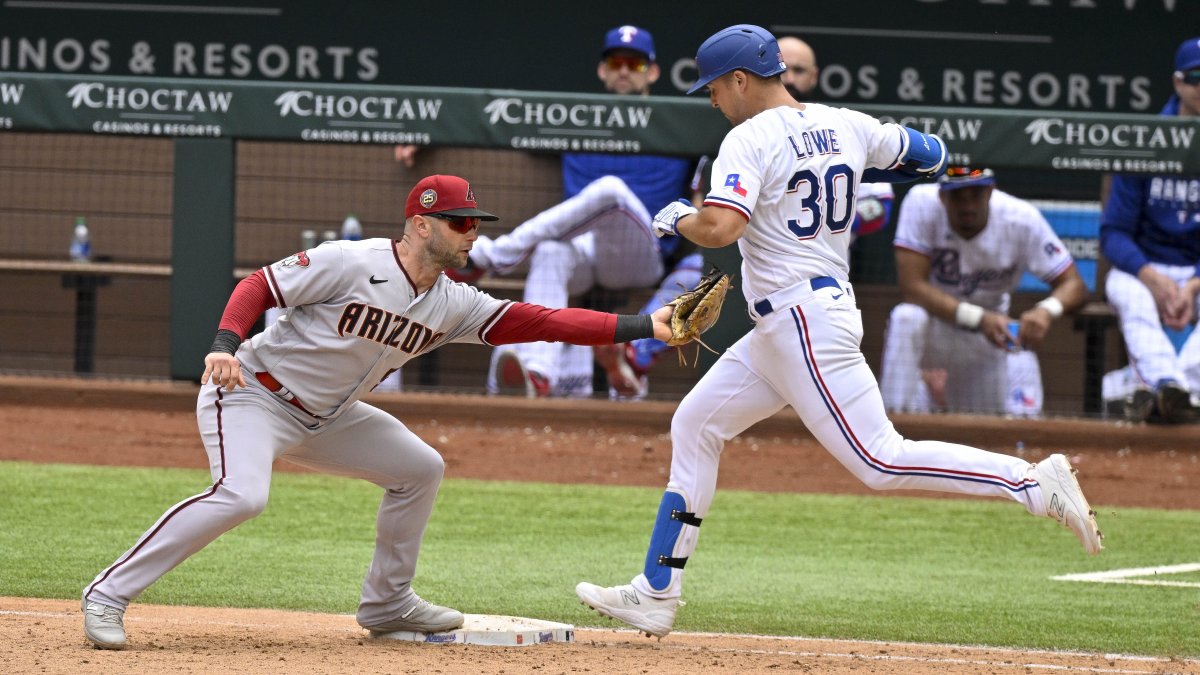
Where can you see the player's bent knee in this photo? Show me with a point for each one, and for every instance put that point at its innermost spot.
(607, 190)
(551, 253)
(246, 504)
(874, 475)
(427, 467)
(691, 418)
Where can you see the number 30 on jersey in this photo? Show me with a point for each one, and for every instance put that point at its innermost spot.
(828, 200)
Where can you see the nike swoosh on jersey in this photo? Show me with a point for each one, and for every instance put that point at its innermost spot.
(378, 281)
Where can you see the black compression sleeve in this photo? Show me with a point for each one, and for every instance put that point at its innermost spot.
(633, 327)
(226, 341)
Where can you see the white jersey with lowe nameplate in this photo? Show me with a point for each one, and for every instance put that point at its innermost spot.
(357, 295)
(809, 163)
(986, 268)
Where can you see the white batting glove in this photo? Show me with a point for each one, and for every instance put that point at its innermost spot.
(666, 221)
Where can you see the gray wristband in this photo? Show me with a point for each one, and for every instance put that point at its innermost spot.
(633, 327)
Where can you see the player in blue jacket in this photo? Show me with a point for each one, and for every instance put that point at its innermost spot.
(1150, 232)
(598, 237)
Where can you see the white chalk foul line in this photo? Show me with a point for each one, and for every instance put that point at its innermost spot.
(1129, 576)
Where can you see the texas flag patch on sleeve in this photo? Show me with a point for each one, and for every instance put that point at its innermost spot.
(733, 181)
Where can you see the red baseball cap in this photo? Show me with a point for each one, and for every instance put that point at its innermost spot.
(444, 195)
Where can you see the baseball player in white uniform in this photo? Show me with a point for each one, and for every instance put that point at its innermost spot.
(964, 243)
(783, 188)
(356, 311)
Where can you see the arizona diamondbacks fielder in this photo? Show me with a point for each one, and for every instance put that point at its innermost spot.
(784, 187)
(357, 311)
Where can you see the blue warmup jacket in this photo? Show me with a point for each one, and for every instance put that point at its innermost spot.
(1152, 219)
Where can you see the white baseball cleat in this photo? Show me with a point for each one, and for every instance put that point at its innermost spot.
(104, 625)
(652, 616)
(1065, 501)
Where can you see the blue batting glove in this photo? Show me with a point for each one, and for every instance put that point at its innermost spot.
(666, 223)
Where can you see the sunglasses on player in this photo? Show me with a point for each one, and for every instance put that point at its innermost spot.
(1191, 77)
(460, 224)
(965, 172)
(635, 64)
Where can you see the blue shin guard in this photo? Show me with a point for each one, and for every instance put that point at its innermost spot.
(660, 558)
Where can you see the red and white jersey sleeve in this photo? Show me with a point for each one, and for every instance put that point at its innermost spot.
(986, 268)
(794, 175)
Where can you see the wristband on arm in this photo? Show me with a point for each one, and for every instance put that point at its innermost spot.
(968, 316)
(226, 342)
(1053, 306)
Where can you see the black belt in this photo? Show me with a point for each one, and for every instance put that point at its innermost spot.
(763, 307)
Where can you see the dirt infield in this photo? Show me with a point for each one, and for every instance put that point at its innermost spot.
(152, 424)
(199, 640)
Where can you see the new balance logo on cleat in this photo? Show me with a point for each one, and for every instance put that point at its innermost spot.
(1065, 502)
(1057, 508)
(649, 615)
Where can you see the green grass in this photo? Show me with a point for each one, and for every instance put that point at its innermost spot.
(884, 568)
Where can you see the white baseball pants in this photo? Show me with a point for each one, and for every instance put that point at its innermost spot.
(1151, 352)
(806, 354)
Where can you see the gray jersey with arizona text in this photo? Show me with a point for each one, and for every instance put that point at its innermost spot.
(353, 316)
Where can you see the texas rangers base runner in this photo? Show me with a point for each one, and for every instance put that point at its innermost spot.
(784, 188)
(356, 311)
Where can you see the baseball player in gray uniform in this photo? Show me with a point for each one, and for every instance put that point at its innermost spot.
(783, 188)
(356, 311)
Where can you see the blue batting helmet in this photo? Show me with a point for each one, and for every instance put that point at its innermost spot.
(742, 46)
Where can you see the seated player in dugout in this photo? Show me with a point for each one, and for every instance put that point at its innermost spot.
(961, 248)
(595, 243)
(1150, 232)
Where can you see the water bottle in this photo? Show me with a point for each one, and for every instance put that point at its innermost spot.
(351, 228)
(308, 239)
(328, 235)
(81, 245)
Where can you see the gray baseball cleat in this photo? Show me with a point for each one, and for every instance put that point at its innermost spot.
(1065, 501)
(104, 625)
(652, 616)
(422, 617)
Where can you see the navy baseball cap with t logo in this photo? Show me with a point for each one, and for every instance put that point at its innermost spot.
(629, 37)
(445, 196)
(1187, 57)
